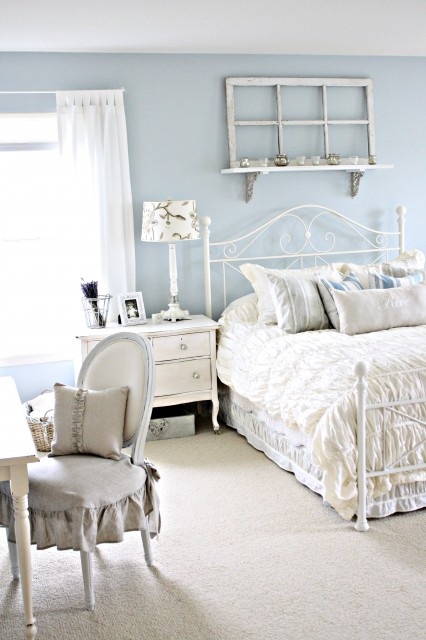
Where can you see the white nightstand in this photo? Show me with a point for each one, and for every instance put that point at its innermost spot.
(185, 359)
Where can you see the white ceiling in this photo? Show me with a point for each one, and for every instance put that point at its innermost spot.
(334, 27)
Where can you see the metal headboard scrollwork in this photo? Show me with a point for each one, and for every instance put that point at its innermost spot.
(300, 236)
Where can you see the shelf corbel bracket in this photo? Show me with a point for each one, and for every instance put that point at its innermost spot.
(355, 182)
(250, 180)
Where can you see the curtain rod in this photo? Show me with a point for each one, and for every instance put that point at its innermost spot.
(53, 92)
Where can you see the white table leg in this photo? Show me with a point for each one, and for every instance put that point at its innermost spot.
(19, 489)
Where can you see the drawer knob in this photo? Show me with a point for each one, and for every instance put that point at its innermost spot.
(183, 346)
(196, 375)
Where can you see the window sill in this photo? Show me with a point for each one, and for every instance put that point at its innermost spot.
(35, 358)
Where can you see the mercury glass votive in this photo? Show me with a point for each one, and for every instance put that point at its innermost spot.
(333, 158)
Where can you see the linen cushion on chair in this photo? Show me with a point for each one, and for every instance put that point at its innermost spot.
(72, 507)
(88, 421)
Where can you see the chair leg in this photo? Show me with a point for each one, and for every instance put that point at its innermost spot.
(89, 592)
(13, 557)
(146, 541)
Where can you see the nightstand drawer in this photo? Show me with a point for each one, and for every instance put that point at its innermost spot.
(189, 345)
(182, 377)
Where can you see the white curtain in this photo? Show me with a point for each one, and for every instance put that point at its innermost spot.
(93, 137)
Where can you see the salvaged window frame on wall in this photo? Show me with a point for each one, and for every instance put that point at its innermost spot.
(253, 167)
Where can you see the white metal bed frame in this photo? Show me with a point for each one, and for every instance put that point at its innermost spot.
(378, 246)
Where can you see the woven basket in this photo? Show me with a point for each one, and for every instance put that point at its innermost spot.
(42, 430)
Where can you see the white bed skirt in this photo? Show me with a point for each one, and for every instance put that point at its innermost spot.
(237, 412)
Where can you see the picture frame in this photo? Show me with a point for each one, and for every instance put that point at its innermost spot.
(131, 308)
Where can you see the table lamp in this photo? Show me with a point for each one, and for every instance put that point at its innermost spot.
(171, 221)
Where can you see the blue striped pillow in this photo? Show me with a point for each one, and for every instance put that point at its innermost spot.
(349, 283)
(381, 281)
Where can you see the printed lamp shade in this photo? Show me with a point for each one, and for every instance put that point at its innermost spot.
(170, 221)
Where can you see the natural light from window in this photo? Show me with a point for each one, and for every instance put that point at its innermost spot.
(47, 243)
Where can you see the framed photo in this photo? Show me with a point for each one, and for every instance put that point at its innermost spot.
(131, 307)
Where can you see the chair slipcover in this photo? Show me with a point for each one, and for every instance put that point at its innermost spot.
(71, 507)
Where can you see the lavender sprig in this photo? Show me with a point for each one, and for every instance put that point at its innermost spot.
(90, 289)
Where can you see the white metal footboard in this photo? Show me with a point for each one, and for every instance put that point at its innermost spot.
(401, 408)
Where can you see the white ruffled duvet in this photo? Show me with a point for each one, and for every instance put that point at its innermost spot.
(307, 382)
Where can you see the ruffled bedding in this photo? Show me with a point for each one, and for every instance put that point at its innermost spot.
(306, 384)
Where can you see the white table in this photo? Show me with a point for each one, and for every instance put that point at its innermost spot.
(16, 451)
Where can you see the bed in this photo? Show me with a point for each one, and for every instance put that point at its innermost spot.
(322, 359)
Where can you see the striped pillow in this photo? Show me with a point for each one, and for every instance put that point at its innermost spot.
(297, 303)
(381, 281)
(326, 288)
(256, 274)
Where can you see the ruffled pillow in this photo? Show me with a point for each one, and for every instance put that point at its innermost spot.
(89, 422)
(240, 310)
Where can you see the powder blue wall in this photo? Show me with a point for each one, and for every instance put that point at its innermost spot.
(176, 119)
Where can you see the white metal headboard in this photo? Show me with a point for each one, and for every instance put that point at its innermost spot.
(322, 235)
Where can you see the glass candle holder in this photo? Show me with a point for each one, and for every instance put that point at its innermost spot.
(333, 158)
(281, 160)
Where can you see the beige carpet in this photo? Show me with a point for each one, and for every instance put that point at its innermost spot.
(246, 552)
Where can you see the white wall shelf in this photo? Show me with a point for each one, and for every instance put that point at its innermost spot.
(344, 105)
(356, 172)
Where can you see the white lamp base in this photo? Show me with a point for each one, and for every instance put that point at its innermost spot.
(175, 313)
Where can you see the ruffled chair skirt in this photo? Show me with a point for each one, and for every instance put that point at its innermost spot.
(76, 505)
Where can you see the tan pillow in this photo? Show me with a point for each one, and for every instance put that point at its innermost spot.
(376, 309)
(89, 422)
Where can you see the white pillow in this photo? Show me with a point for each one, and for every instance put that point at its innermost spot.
(257, 276)
(240, 310)
(297, 302)
(377, 309)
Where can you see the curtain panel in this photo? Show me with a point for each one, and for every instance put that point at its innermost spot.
(93, 137)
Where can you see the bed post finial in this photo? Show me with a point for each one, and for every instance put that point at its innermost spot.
(205, 234)
(401, 211)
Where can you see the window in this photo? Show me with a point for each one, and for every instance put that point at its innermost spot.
(48, 242)
(298, 116)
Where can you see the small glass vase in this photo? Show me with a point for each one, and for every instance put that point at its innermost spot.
(281, 160)
(96, 311)
(333, 158)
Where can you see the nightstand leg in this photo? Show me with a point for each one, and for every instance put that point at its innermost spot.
(215, 411)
